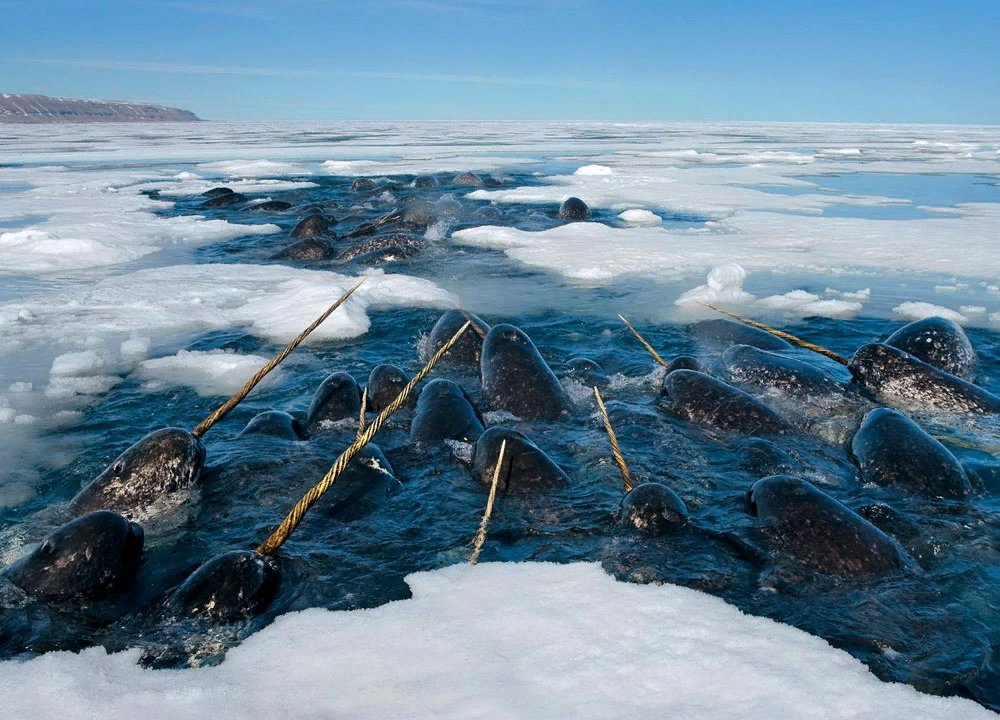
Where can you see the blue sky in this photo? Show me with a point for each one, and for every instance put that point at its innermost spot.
(900, 61)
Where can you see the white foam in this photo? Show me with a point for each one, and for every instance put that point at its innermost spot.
(921, 310)
(210, 372)
(461, 648)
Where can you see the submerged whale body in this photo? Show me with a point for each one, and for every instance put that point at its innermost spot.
(517, 379)
(445, 412)
(652, 509)
(748, 366)
(160, 467)
(817, 530)
(525, 467)
(723, 333)
(897, 378)
(939, 342)
(469, 347)
(275, 423)
(89, 557)
(311, 249)
(704, 400)
(227, 587)
(893, 451)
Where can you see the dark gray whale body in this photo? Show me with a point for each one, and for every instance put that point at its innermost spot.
(701, 399)
(468, 349)
(897, 378)
(652, 509)
(517, 379)
(385, 248)
(338, 397)
(164, 463)
(893, 451)
(89, 557)
(525, 466)
(313, 226)
(573, 209)
(445, 412)
(747, 366)
(227, 587)
(816, 530)
(385, 382)
(723, 333)
(938, 342)
(313, 249)
(275, 423)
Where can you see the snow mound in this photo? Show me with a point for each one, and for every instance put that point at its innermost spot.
(594, 170)
(723, 285)
(921, 310)
(801, 302)
(209, 372)
(532, 640)
(637, 216)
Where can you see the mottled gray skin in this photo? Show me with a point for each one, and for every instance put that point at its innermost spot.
(312, 226)
(468, 349)
(902, 380)
(273, 206)
(752, 367)
(525, 468)
(587, 371)
(89, 557)
(723, 333)
(893, 451)
(425, 181)
(445, 412)
(365, 485)
(419, 214)
(275, 423)
(468, 180)
(224, 200)
(217, 192)
(385, 248)
(938, 342)
(364, 185)
(701, 399)
(652, 509)
(162, 464)
(309, 250)
(385, 382)
(517, 379)
(762, 457)
(814, 529)
(230, 586)
(489, 212)
(337, 397)
(684, 362)
(573, 209)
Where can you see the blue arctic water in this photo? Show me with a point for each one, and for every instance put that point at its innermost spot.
(935, 625)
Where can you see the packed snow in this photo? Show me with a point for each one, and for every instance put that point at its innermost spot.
(209, 372)
(498, 640)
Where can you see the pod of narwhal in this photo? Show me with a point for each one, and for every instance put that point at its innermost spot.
(99, 549)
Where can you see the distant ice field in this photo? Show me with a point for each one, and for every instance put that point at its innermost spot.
(126, 304)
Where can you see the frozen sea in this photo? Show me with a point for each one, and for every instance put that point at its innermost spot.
(126, 305)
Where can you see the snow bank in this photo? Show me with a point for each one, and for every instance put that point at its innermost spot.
(95, 218)
(210, 372)
(252, 168)
(495, 640)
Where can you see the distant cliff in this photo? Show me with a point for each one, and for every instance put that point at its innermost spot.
(44, 109)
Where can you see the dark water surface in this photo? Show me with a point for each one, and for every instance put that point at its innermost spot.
(935, 625)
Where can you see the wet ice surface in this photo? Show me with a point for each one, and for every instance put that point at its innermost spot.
(96, 354)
